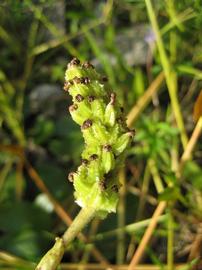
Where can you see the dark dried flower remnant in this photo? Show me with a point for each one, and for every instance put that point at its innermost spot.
(104, 79)
(67, 85)
(79, 98)
(102, 185)
(74, 62)
(91, 98)
(115, 188)
(84, 161)
(73, 107)
(71, 177)
(107, 148)
(87, 65)
(93, 157)
(86, 124)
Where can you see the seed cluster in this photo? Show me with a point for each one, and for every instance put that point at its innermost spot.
(96, 109)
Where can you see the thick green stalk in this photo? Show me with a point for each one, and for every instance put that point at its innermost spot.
(52, 258)
(82, 219)
(171, 78)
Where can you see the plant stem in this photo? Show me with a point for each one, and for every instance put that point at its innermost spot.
(120, 254)
(171, 76)
(156, 177)
(82, 219)
(170, 241)
(52, 258)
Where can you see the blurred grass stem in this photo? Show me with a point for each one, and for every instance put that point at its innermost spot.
(121, 219)
(171, 78)
(170, 241)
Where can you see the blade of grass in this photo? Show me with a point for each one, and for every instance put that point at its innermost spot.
(100, 55)
(61, 40)
(130, 229)
(171, 76)
(170, 240)
(120, 252)
(10, 119)
(9, 259)
(184, 16)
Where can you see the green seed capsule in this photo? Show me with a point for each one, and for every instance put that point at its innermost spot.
(98, 107)
(122, 142)
(110, 115)
(94, 172)
(108, 161)
(84, 109)
(100, 132)
(78, 118)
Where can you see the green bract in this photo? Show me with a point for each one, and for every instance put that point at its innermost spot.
(96, 109)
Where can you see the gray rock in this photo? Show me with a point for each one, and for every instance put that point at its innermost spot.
(133, 44)
(43, 96)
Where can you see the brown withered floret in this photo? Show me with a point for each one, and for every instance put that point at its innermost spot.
(104, 79)
(120, 120)
(102, 185)
(84, 161)
(77, 80)
(122, 109)
(87, 65)
(83, 80)
(86, 80)
(91, 98)
(74, 62)
(93, 157)
(115, 188)
(67, 85)
(131, 132)
(73, 107)
(71, 177)
(108, 175)
(86, 124)
(107, 148)
(79, 98)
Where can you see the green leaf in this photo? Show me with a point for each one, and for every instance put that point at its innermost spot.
(169, 194)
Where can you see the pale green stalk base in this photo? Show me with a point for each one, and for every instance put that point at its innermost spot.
(52, 258)
(82, 219)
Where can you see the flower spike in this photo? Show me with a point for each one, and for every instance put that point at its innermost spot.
(96, 109)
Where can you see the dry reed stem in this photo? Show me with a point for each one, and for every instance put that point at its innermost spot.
(192, 142)
(93, 266)
(147, 235)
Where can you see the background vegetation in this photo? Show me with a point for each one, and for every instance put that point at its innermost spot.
(152, 56)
